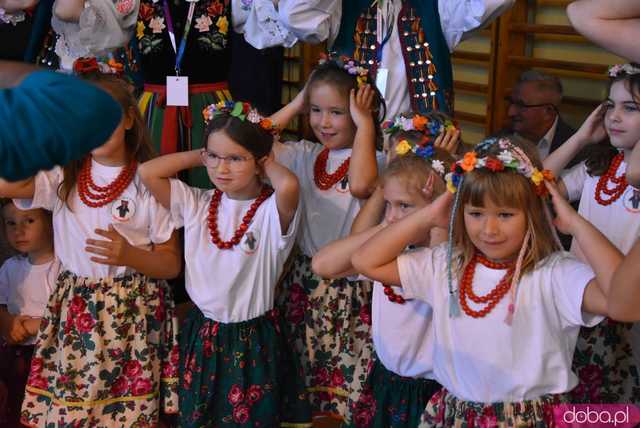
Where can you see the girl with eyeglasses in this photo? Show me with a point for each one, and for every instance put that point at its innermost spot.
(234, 365)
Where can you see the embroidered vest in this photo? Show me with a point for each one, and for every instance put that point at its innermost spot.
(425, 51)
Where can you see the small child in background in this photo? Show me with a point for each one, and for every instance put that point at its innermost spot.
(26, 281)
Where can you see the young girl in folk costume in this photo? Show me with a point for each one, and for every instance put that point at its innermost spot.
(604, 359)
(505, 317)
(325, 323)
(400, 380)
(26, 281)
(235, 367)
(108, 339)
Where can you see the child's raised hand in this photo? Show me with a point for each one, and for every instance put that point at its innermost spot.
(566, 216)
(448, 140)
(360, 105)
(114, 250)
(592, 130)
(440, 210)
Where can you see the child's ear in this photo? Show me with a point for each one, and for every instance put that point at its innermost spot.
(129, 118)
(260, 165)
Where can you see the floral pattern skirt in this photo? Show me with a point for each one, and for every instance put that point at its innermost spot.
(390, 400)
(446, 411)
(239, 375)
(329, 326)
(107, 354)
(605, 365)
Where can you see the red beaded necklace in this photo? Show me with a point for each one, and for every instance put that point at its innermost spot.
(620, 183)
(323, 180)
(212, 218)
(494, 297)
(103, 194)
(392, 296)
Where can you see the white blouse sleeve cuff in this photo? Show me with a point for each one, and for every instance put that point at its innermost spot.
(259, 21)
(459, 18)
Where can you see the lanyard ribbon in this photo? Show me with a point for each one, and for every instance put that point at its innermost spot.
(388, 16)
(187, 26)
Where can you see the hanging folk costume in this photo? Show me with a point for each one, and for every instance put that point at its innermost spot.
(185, 50)
(406, 43)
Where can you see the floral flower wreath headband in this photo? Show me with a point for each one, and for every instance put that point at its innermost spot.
(240, 110)
(351, 66)
(509, 157)
(430, 129)
(620, 70)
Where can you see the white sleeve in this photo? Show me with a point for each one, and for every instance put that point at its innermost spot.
(184, 201)
(104, 25)
(5, 282)
(568, 294)
(284, 239)
(418, 270)
(161, 223)
(46, 191)
(312, 21)
(459, 18)
(573, 180)
(259, 21)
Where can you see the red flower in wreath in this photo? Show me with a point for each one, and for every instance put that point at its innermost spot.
(145, 12)
(254, 393)
(241, 414)
(215, 8)
(85, 65)
(494, 164)
(235, 396)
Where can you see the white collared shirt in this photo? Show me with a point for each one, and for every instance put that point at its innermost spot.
(544, 145)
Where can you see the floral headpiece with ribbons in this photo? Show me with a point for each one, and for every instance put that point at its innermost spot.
(623, 69)
(496, 155)
(509, 156)
(87, 65)
(240, 110)
(351, 66)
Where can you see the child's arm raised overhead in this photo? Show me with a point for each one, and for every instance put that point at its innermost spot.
(371, 213)
(286, 114)
(23, 189)
(603, 257)
(613, 24)
(377, 258)
(155, 173)
(334, 259)
(163, 261)
(624, 296)
(363, 168)
(287, 189)
(591, 132)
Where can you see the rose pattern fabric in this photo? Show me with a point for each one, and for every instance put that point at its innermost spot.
(605, 365)
(112, 344)
(239, 374)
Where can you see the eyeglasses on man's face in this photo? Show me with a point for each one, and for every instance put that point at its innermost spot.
(521, 105)
(213, 160)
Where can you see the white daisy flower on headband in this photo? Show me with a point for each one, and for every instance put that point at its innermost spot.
(505, 156)
(481, 162)
(438, 166)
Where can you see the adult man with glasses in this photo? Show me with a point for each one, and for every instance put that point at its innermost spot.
(533, 112)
